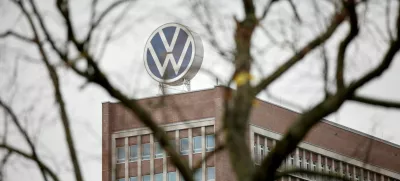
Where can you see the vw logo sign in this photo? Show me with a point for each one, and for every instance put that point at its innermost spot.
(173, 54)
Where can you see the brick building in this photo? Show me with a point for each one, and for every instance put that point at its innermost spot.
(190, 119)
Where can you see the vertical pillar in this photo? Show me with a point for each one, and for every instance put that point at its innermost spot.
(312, 165)
(190, 147)
(139, 161)
(296, 158)
(177, 147)
(326, 164)
(126, 148)
(362, 174)
(203, 152)
(341, 168)
(113, 159)
(165, 164)
(319, 163)
(151, 157)
(266, 151)
(258, 150)
(252, 143)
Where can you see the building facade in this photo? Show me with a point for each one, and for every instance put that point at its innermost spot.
(130, 152)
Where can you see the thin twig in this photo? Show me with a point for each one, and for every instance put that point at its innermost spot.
(28, 156)
(336, 21)
(376, 102)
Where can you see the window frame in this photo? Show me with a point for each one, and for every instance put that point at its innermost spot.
(156, 154)
(262, 153)
(133, 177)
(291, 160)
(144, 176)
(168, 176)
(118, 159)
(198, 173)
(158, 174)
(208, 149)
(207, 174)
(198, 150)
(146, 157)
(173, 145)
(181, 151)
(133, 159)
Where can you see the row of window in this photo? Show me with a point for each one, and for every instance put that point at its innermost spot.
(171, 176)
(159, 152)
(326, 164)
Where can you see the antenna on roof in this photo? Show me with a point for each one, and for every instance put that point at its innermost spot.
(216, 79)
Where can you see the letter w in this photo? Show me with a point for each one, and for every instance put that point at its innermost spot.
(169, 57)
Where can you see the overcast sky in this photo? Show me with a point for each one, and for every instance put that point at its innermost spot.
(31, 92)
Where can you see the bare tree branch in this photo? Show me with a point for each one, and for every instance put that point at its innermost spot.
(351, 9)
(267, 8)
(17, 36)
(386, 61)
(376, 102)
(387, 17)
(3, 164)
(336, 21)
(42, 165)
(56, 85)
(208, 156)
(107, 11)
(325, 70)
(43, 26)
(207, 23)
(296, 14)
(24, 133)
(302, 125)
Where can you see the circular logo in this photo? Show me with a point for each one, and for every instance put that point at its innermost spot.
(173, 54)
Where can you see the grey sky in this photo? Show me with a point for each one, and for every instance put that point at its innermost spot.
(124, 65)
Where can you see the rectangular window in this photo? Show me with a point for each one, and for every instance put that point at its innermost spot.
(261, 151)
(184, 146)
(255, 152)
(120, 155)
(132, 179)
(159, 153)
(173, 144)
(210, 142)
(291, 160)
(146, 151)
(171, 176)
(197, 144)
(146, 178)
(300, 162)
(158, 177)
(121, 179)
(210, 173)
(198, 176)
(133, 153)
(307, 164)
